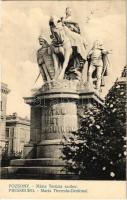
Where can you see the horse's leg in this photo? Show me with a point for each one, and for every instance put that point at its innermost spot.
(67, 55)
(56, 64)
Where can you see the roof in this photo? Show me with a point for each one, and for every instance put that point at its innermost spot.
(4, 88)
(15, 119)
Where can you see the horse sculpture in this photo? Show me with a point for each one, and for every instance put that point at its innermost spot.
(63, 43)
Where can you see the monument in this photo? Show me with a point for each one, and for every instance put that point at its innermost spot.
(57, 105)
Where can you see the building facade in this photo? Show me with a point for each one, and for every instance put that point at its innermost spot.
(3, 105)
(17, 132)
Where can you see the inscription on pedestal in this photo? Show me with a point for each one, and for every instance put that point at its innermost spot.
(59, 119)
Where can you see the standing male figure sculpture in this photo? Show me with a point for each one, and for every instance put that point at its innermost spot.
(45, 60)
(97, 64)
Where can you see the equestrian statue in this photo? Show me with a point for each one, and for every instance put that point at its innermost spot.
(66, 55)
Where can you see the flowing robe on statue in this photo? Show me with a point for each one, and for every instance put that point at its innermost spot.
(76, 40)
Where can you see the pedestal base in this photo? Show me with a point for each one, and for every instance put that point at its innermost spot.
(54, 114)
(29, 150)
(35, 169)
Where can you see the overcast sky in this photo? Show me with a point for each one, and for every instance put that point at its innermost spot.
(22, 22)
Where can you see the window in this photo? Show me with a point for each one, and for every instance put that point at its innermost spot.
(11, 132)
(1, 105)
(7, 132)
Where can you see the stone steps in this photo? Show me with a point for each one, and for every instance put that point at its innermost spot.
(42, 173)
(35, 170)
(40, 168)
(40, 162)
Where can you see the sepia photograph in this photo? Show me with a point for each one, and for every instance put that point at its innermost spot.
(63, 91)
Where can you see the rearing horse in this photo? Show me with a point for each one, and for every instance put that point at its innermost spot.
(62, 41)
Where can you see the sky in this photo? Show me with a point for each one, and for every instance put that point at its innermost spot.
(21, 23)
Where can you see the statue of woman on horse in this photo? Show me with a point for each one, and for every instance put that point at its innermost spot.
(68, 47)
(67, 20)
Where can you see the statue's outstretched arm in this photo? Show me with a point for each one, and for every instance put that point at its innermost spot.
(106, 51)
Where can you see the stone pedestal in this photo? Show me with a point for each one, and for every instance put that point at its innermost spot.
(54, 114)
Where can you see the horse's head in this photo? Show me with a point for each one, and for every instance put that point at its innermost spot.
(55, 22)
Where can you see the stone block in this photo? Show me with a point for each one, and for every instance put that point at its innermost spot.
(49, 151)
(29, 151)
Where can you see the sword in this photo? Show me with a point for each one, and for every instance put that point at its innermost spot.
(37, 78)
